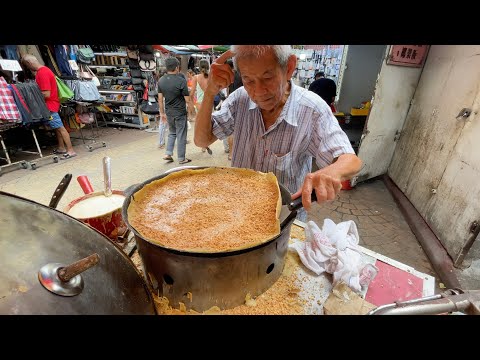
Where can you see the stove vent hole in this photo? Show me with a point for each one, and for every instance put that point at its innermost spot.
(270, 268)
(168, 279)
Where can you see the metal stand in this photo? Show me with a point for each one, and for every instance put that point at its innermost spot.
(94, 134)
(95, 144)
(20, 164)
(23, 164)
(33, 163)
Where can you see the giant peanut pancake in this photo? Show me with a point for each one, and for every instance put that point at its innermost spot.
(208, 210)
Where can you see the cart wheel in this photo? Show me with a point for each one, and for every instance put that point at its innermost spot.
(24, 164)
(90, 148)
(104, 144)
(55, 159)
(34, 166)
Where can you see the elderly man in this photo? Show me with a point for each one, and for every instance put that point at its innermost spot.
(277, 125)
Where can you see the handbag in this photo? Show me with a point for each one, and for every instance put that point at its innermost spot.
(152, 87)
(147, 65)
(86, 118)
(64, 92)
(85, 54)
(150, 108)
(135, 73)
(133, 64)
(84, 73)
(147, 49)
(145, 56)
(87, 74)
(86, 91)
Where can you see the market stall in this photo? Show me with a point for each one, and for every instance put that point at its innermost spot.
(298, 291)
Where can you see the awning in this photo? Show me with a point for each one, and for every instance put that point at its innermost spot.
(218, 48)
(190, 49)
(221, 48)
(176, 49)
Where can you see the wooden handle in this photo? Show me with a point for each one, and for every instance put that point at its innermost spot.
(70, 271)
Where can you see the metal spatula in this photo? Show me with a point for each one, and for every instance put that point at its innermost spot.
(107, 176)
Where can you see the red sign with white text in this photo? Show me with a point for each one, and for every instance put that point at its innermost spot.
(407, 55)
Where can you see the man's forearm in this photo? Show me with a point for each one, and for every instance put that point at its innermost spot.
(161, 104)
(203, 135)
(344, 168)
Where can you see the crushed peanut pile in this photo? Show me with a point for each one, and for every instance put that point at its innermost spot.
(282, 298)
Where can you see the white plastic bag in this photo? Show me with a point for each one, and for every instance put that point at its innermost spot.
(334, 249)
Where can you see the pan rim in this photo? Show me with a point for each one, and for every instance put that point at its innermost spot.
(135, 188)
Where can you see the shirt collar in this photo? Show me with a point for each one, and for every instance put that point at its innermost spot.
(287, 113)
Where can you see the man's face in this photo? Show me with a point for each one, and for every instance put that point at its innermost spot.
(264, 80)
(30, 66)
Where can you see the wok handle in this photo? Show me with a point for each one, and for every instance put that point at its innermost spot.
(59, 191)
(85, 184)
(70, 271)
(297, 203)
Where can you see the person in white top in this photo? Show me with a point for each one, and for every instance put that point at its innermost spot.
(199, 84)
(277, 126)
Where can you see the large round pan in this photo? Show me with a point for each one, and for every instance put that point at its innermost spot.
(34, 237)
(203, 280)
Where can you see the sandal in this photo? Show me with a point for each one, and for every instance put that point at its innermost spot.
(68, 156)
(168, 158)
(185, 161)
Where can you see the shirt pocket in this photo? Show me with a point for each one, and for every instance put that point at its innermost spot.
(282, 161)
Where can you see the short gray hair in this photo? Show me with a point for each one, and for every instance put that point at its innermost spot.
(282, 53)
(29, 59)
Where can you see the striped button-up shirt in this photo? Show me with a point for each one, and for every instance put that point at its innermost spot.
(304, 129)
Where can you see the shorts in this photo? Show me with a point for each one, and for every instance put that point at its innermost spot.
(56, 122)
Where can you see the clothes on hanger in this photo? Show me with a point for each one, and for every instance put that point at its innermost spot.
(62, 61)
(8, 109)
(22, 106)
(9, 52)
(34, 99)
(49, 60)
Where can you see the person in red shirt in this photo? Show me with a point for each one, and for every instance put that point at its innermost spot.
(48, 85)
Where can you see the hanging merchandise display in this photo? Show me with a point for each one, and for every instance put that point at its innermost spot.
(85, 54)
(64, 92)
(317, 58)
